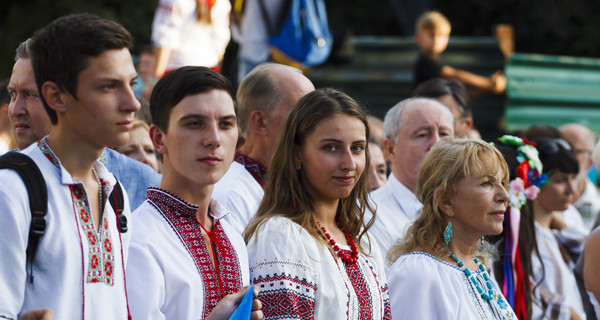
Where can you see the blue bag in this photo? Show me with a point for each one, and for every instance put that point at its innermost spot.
(304, 35)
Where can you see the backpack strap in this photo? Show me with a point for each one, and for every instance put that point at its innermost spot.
(118, 203)
(38, 198)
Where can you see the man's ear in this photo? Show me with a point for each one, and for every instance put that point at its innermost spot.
(388, 150)
(444, 202)
(54, 96)
(157, 137)
(258, 122)
(469, 121)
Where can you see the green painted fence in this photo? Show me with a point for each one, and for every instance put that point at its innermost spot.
(552, 90)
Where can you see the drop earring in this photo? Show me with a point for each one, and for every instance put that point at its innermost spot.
(448, 233)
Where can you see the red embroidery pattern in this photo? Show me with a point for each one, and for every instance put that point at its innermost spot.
(385, 296)
(257, 170)
(293, 297)
(43, 145)
(387, 311)
(361, 289)
(100, 251)
(182, 218)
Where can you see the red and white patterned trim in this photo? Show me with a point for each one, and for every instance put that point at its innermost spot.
(227, 277)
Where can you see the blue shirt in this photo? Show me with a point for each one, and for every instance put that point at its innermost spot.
(135, 176)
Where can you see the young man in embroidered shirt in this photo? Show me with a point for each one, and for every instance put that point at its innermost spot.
(265, 98)
(85, 76)
(184, 257)
(31, 123)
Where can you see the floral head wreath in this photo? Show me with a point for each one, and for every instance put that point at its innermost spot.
(529, 178)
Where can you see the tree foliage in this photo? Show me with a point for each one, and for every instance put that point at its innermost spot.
(21, 18)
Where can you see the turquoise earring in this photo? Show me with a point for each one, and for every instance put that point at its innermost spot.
(448, 233)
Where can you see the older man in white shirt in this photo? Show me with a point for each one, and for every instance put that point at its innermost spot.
(411, 128)
(265, 98)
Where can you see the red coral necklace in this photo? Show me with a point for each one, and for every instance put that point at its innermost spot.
(347, 257)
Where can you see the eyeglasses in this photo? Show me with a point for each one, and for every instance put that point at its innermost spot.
(552, 146)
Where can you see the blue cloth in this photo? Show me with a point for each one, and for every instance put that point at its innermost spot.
(135, 176)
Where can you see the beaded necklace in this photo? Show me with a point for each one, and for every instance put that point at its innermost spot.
(489, 295)
(348, 258)
(100, 193)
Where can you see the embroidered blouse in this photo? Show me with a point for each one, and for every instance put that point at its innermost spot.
(425, 287)
(299, 278)
(169, 272)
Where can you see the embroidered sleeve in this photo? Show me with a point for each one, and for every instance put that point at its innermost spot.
(385, 294)
(281, 267)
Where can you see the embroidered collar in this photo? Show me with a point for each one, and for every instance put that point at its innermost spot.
(107, 179)
(166, 201)
(256, 169)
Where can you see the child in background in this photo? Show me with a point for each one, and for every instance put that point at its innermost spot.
(433, 31)
(145, 68)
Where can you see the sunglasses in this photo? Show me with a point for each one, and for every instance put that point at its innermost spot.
(552, 146)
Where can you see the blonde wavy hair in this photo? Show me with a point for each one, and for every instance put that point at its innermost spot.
(444, 166)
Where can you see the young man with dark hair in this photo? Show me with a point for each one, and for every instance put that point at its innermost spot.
(31, 122)
(191, 257)
(85, 76)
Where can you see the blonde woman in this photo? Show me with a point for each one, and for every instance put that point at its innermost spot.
(440, 267)
(140, 147)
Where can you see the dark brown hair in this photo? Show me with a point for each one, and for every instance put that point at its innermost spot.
(62, 49)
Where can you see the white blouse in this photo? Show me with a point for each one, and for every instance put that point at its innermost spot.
(299, 278)
(425, 287)
(556, 287)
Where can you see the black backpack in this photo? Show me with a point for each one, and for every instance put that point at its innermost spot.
(38, 199)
